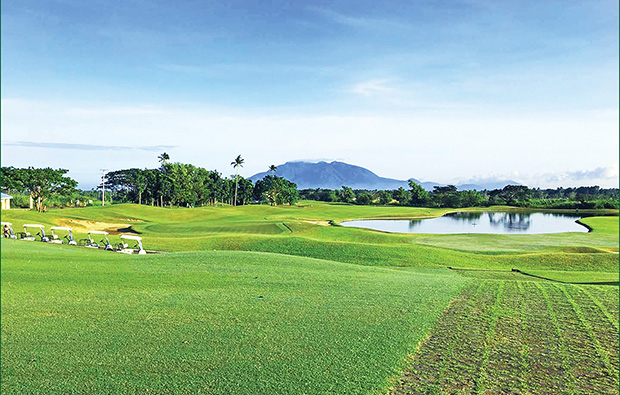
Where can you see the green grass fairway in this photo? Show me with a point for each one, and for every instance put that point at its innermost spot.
(576, 277)
(300, 230)
(76, 321)
(281, 300)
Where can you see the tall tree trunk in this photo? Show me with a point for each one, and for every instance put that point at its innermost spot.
(139, 197)
(236, 183)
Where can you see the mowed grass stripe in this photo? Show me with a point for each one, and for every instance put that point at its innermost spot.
(80, 321)
(605, 332)
(550, 369)
(524, 348)
(590, 321)
(505, 366)
(489, 341)
(428, 374)
(538, 344)
(608, 298)
(460, 359)
(588, 364)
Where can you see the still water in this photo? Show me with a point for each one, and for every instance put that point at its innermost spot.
(478, 222)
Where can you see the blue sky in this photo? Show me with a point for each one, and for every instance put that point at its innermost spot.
(445, 91)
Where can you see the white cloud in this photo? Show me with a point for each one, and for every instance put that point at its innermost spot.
(372, 87)
(426, 146)
(606, 177)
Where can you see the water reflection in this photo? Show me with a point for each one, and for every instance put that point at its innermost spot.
(510, 221)
(479, 222)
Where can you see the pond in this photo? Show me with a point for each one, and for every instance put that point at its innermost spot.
(478, 222)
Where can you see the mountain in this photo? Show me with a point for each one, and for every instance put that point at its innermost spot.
(334, 175)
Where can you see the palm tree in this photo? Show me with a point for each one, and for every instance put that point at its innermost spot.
(237, 163)
(163, 158)
(273, 168)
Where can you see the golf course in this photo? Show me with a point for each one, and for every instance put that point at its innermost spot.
(260, 299)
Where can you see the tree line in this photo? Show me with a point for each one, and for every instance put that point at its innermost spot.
(37, 185)
(591, 197)
(179, 184)
(172, 184)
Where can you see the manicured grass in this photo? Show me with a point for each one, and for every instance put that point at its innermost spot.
(524, 337)
(239, 304)
(300, 230)
(576, 276)
(602, 225)
(81, 321)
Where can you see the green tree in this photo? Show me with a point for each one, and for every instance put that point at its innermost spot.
(246, 190)
(363, 198)
(472, 199)
(276, 190)
(236, 164)
(517, 195)
(346, 195)
(445, 196)
(419, 195)
(402, 195)
(273, 168)
(383, 197)
(12, 179)
(131, 183)
(182, 180)
(163, 159)
(40, 183)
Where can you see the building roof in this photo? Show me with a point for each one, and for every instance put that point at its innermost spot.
(5, 196)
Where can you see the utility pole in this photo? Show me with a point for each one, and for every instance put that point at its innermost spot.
(103, 186)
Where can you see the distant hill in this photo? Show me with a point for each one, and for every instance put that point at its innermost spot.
(332, 176)
(335, 174)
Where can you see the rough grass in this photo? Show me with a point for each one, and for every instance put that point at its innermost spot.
(81, 321)
(521, 337)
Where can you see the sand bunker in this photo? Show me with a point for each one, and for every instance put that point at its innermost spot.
(322, 223)
(80, 225)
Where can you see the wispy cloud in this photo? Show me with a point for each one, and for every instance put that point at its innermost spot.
(373, 87)
(399, 93)
(112, 111)
(86, 147)
(489, 178)
(226, 69)
(363, 22)
(186, 69)
(600, 175)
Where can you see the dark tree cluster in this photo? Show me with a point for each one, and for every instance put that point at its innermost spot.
(185, 185)
(38, 184)
(172, 184)
(276, 191)
(449, 196)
